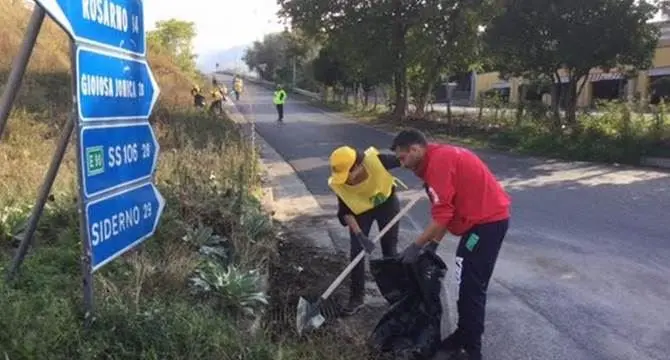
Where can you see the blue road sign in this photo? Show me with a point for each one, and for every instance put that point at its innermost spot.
(114, 24)
(116, 155)
(119, 222)
(113, 87)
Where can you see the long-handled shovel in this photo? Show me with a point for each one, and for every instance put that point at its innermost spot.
(309, 315)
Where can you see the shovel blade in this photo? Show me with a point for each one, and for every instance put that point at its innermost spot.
(308, 316)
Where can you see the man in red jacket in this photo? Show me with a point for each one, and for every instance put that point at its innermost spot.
(467, 201)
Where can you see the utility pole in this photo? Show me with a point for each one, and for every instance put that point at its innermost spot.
(293, 82)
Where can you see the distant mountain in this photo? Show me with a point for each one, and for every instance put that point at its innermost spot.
(229, 58)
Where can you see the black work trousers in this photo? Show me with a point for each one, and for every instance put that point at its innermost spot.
(382, 214)
(280, 111)
(475, 259)
(216, 107)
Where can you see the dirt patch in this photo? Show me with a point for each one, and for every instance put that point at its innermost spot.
(304, 270)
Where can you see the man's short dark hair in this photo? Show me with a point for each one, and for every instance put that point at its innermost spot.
(407, 138)
(359, 157)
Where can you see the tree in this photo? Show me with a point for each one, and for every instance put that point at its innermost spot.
(176, 37)
(391, 19)
(273, 57)
(363, 56)
(266, 57)
(548, 38)
(422, 36)
(447, 42)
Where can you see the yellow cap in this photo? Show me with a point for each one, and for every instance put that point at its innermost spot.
(341, 161)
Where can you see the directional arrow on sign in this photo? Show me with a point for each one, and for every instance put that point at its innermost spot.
(117, 24)
(113, 87)
(119, 222)
(115, 155)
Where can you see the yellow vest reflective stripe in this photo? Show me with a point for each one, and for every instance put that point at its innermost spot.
(370, 193)
(277, 99)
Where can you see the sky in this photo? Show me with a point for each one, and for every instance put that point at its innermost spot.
(219, 27)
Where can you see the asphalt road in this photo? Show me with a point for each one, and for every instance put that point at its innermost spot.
(584, 272)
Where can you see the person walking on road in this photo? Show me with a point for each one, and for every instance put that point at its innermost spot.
(365, 191)
(279, 99)
(466, 200)
(237, 88)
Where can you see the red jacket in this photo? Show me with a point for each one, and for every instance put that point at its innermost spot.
(462, 189)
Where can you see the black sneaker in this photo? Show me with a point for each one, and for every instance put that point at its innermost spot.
(354, 305)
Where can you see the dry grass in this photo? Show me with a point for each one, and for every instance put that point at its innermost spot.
(144, 305)
(199, 174)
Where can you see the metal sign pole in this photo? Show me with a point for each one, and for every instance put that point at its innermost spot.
(42, 198)
(86, 270)
(20, 64)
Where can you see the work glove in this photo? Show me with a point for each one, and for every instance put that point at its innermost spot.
(411, 253)
(432, 246)
(365, 242)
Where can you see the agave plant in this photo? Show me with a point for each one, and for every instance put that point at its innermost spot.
(256, 223)
(210, 245)
(232, 287)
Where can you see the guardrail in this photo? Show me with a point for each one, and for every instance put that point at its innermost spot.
(270, 84)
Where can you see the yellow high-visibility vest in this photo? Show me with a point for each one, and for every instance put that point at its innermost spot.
(280, 97)
(370, 193)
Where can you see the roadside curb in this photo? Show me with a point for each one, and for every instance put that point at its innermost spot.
(290, 201)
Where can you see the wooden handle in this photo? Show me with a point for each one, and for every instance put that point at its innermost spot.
(361, 254)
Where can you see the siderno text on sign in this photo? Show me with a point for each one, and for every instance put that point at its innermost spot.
(119, 223)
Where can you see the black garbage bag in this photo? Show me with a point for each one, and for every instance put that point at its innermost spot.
(411, 328)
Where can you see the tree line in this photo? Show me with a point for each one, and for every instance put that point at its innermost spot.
(412, 44)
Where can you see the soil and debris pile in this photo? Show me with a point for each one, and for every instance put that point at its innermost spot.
(301, 270)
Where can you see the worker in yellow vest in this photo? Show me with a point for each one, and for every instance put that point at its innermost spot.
(365, 192)
(198, 98)
(237, 87)
(217, 101)
(279, 99)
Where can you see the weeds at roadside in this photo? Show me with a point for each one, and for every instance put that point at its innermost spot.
(138, 293)
(618, 134)
(193, 290)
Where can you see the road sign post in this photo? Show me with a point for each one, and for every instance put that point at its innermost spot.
(119, 221)
(19, 66)
(115, 25)
(113, 87)
(117, 149)
(113, 156)
(36, 213)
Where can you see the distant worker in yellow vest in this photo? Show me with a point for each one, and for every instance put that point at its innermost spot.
(238, 87)
(279, 99)
(217, 103)
(365, 192)
(198, 98)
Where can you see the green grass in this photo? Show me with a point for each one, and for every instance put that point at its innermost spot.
(186, 293)
(192, 291)
(196, 289)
